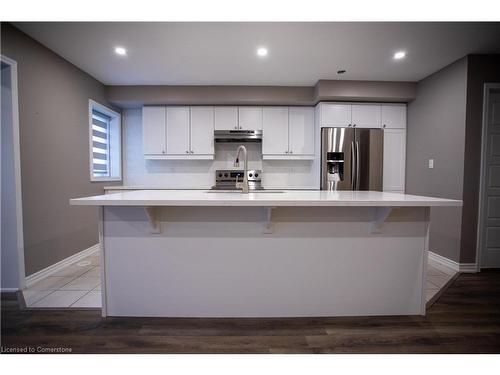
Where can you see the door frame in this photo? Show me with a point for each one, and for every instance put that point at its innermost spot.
(488, 87)
(17, 169)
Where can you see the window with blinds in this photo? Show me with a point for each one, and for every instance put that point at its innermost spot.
(105, 155)
(100, 144)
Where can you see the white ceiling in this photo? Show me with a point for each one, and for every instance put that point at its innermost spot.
(225, 53)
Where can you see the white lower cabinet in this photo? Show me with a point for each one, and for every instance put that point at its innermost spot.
(394, 160)
(288, 133)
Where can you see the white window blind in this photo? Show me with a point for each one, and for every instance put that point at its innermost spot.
(100, 144)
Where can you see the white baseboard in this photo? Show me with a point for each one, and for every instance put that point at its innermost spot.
(457, 267)
(50, 270)
(9, 290)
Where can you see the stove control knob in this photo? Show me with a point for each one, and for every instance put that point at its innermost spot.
(226, 175)
(256, 175)
(250, 175)
(220, 174)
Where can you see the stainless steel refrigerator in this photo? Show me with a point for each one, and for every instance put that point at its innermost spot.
(355, 154)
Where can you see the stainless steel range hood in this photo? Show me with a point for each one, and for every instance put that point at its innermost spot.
(238, 135)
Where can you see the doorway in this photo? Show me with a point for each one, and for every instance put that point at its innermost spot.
(489, 208)
(11, 238)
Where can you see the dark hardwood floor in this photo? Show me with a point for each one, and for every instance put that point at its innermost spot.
(465, 319)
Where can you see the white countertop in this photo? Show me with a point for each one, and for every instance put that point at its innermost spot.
(135, 187)
(286, 198)
(139, 187)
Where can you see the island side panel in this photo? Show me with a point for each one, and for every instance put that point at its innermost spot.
(218, 262)
(425, 260)
(102, 254)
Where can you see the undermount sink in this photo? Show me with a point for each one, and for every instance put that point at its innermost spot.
(239, 191)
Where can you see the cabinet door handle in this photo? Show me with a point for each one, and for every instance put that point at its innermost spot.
(354, 126)
(291, 151)
(349, 125)
(187, 152)
(192, 151)
(383, 126)
(286, 152)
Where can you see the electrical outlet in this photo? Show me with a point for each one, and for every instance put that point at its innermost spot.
(431, 163)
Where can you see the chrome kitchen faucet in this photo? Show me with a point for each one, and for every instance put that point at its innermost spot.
(244, 184)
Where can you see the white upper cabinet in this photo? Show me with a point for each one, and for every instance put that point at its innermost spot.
(202, 131)
(226, 118)
(153, 125)
(394, 160)
(366, 115)
(288, 133)
(238, 118)
(250, 118)
(394, 116)
(362, 115)
(275, 131)
(177, 130)
(335, 115)
(301, 130)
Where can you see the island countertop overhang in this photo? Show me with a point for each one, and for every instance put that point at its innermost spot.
(286, 198)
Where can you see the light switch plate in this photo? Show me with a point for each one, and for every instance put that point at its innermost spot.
(431, 163)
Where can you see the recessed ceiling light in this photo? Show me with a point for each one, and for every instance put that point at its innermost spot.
(261, 51)
(399, 55)
(120, 51)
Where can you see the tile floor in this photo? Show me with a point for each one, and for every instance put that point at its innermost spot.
(76, 286)
(79, 285)
(437, 277)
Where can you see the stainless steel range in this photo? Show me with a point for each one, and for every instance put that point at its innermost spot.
(225, 179)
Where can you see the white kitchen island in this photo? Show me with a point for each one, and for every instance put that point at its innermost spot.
(198, 253)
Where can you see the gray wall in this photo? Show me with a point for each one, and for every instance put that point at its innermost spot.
(481, 69)
(436, 129)
(53, 120)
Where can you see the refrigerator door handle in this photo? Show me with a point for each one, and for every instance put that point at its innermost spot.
(357, 166)
(353, 167)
